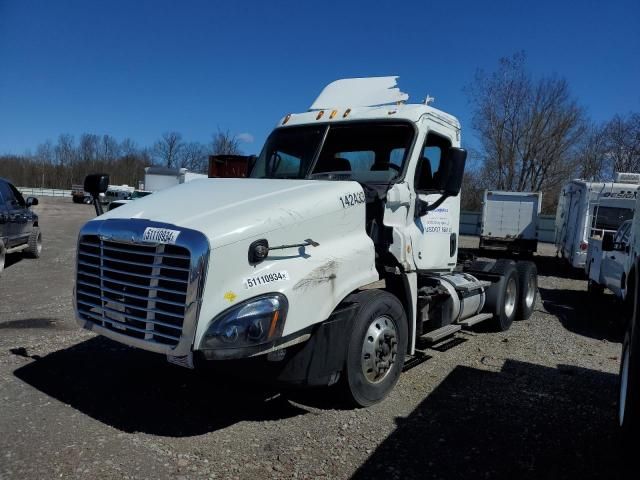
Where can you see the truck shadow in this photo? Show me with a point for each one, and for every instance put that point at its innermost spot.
(594, 317)
(136, 391)
(526, 422)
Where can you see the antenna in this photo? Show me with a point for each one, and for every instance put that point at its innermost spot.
(429, 100)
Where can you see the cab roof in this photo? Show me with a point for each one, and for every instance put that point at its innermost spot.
(371, 98)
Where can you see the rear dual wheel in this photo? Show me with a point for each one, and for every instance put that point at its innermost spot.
(503, 296)
(528, 287)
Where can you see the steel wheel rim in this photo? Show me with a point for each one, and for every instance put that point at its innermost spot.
(510, 297)
(624, 381)
(531, 291)
(379, 349)
(2, 257)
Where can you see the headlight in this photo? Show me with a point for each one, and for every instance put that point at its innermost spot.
(255, 321)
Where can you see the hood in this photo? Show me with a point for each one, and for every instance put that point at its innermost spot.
(228, 210)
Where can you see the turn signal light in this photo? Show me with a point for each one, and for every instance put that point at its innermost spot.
(320, 114)
(286, 119)
(346, 113)
(333, 114)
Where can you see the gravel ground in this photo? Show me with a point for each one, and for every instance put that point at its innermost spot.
(536, 401)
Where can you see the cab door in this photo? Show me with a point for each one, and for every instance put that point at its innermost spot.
(20, 219)
(435, 234)
(614, 262)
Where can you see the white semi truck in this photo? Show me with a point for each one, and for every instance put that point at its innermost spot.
(591, 209)
(327, 265)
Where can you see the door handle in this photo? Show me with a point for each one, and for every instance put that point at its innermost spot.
(612, 257)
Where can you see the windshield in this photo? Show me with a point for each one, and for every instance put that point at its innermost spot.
(365, 152)
(610, 218)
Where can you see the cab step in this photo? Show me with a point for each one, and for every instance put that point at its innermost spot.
(481, 317)
(440, 333)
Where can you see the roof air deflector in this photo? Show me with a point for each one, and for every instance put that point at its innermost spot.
(359, 92)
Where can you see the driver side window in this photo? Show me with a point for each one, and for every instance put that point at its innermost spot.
(7, 196)
(428, 174)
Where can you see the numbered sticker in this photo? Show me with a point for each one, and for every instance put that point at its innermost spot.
(160, 235)
(265, 279)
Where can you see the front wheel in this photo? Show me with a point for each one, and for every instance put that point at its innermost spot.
(3, 255)
(35, 243)
(629, 387)
(377, 347)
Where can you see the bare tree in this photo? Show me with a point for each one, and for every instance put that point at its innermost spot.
(194, 157)
(225, 143)
(168, 148)
(622, 137)
(527, 128)
(590, 156)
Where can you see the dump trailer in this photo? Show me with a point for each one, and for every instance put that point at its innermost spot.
(335, 262)
(592, 209)
(159, 178)
(510, 221)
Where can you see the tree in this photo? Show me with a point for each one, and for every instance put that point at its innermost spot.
(527, 128)
(591, 153)
(622, 140)
(167, 150)
(225, 143)
(194, 157)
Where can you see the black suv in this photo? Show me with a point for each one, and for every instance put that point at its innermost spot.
(19, 229)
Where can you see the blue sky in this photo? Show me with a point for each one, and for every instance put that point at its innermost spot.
(140, 68)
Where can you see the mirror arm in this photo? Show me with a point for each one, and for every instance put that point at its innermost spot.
(97, 204)
(423, 207)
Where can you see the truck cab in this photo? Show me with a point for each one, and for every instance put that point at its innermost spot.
(326, 265)
(609, 260)
(19, 228)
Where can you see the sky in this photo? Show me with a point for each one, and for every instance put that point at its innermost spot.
(141, 68)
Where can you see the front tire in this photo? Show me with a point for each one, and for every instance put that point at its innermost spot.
(629, 387)
(3, 256)
(35, 243)
(376, 350)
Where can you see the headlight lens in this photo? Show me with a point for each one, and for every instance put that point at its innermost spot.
(255, 321)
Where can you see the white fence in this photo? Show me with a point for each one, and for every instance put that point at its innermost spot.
(470, 224)
(44, 192)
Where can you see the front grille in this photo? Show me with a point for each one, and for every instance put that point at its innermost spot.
(134, 289)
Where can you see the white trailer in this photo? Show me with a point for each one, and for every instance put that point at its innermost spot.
(280, 274)
(159, 178)
(510, 221)
(591, 209)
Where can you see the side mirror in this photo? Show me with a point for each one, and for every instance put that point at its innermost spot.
(31, 201)
(453, 171)
(607, 242)
(96, 183)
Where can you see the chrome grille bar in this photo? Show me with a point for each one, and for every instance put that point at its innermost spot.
(134, 289)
